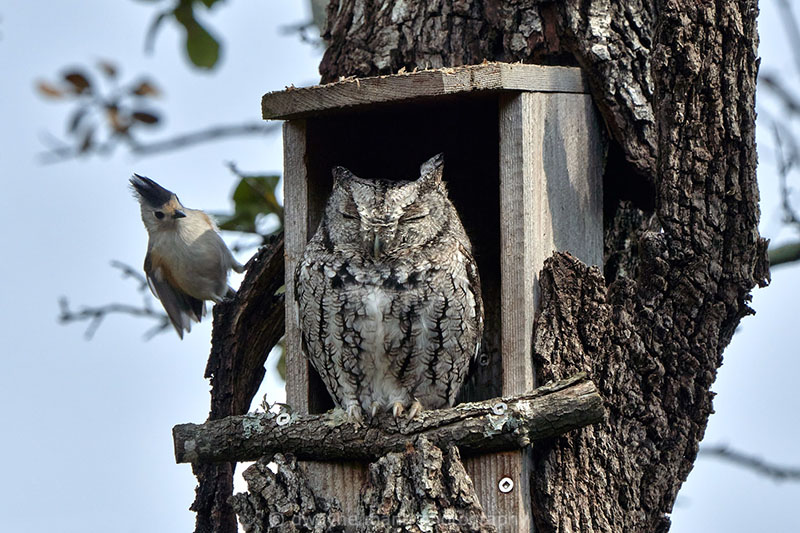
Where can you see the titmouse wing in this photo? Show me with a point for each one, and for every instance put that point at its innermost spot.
(181, 308)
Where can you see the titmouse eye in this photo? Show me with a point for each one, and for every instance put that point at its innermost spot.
(159, 215)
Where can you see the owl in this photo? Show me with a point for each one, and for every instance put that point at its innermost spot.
(388, 295)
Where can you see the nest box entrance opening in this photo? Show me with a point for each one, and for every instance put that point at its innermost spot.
(390, 142)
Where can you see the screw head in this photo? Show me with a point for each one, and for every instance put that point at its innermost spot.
(283, 419)
(499, 408)
(506, 485)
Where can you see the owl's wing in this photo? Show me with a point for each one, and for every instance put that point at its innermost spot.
(440, 331)
(181, 308)
(328, 336)
(475, 286)
(321, 334)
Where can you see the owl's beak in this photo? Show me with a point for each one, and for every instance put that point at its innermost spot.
(377, 246)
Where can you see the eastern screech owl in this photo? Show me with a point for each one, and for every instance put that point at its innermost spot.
(388, 295)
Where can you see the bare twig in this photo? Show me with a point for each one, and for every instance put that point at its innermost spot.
(130, 272)
(306, 31)
(785, 166)
(792, 30)
(209, 134)
(62, 151)
(95, 315)
(789, 100)
(776, 472)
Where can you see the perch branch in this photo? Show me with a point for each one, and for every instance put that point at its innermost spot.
(491, 425)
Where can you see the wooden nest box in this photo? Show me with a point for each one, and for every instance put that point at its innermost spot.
(523, 162)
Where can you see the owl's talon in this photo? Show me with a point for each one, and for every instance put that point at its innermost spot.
(397, 409)
(354, 413)
(415, 409)
(375, 407)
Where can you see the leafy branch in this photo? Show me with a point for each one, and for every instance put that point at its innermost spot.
(109, 114)
(202, 47)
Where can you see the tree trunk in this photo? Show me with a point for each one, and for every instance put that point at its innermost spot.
(675, 83)
(245, 330)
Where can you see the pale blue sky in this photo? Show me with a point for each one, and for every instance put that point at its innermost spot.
(87, 425)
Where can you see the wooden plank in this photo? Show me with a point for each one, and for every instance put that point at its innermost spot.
(551, 198)
(297, 232)
(551, 162)
(507, 509)
(567, 183)
(348, 93)
(517, 173)
(516, 313)
(342, 480)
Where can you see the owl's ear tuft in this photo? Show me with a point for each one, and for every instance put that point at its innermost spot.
(341, 173)
(431, 170)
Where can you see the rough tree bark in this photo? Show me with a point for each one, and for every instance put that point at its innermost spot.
(610, 40)
(675, 83)
(245, 330)
(420, 489)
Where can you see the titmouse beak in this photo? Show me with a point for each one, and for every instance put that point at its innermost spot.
(179, 214)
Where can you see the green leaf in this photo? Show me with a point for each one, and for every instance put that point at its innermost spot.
(209, 3)
(253, 196)
(202, 47)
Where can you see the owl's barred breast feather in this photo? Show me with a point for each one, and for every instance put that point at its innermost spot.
(388, 295)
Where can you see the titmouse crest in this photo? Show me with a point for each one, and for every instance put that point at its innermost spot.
(187, 261)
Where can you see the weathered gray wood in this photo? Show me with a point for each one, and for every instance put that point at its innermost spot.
(519, 185)
(302, 102)
(551, 164)
(297, 232)
(550, 199)
(497, 424)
